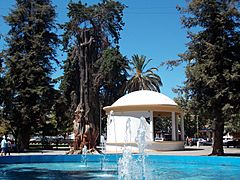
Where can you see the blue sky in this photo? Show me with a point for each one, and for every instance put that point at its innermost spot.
(152, 28)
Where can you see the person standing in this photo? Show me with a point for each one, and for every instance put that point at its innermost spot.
(4, 146)
(9, 146)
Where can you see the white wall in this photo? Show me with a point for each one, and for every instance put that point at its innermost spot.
(122, 127)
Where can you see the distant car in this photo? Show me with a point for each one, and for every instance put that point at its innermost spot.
(194, 141)
(233, 143)
(159, 139)
(202, 141)
(55, 139)
(35, 140)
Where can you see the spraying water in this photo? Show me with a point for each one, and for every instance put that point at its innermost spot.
(125, 163)
(141, 141)
(103, 151)
(128, 168)
(84, 155)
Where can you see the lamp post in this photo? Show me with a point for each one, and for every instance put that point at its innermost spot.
(100, 120)
(197, 126)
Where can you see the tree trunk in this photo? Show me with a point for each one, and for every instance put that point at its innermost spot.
(23, 138)
(86, 122)
(218, 128)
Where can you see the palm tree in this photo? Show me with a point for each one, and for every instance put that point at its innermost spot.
(142, 80)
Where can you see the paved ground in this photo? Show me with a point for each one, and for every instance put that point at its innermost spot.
(189, 151)
(199, 151)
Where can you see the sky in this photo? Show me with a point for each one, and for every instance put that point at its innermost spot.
(152, 28)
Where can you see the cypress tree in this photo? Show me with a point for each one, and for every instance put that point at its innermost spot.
(29, 57)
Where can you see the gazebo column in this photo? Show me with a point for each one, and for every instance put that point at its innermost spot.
(151, 126)
(174, 126)
(182, 129)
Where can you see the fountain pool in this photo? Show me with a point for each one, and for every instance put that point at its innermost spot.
(157, 167)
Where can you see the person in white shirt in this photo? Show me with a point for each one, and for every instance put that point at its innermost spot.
(3, 146)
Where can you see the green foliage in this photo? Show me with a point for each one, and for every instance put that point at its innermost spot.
(111, 78)
(189, 123)
(213, 69)
(233, 125)
(141, 79)
(104, 20)
(162, 124)
(194, 119)
(69, 81)
(31, 50)
(1, 80)
(4, 125)
(112, 75)
(212, 72)
(62, 115)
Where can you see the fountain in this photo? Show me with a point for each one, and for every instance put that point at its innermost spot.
(102, 144)
(103, 149)
(125, 163)
(114, 166)
(128, 167)
(141, 141)
(84, 155)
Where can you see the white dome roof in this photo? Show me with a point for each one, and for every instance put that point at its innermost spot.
(144, 97)
(140, 99)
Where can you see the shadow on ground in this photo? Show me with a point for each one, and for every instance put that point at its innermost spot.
(192, 149)
(232, 154)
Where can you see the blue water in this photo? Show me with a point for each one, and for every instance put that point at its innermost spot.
(157, 167)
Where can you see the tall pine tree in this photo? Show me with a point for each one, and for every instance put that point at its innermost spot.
(29, 57)
(213, 70)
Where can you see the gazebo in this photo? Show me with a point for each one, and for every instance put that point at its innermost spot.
(124, 120)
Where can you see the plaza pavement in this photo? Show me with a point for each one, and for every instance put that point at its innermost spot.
(198, 151)
(188, 151)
